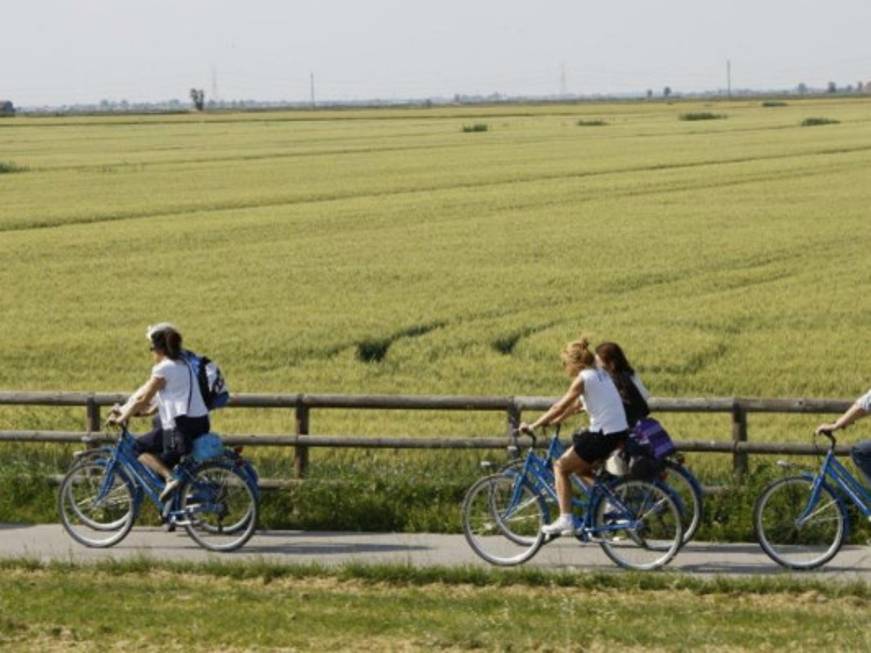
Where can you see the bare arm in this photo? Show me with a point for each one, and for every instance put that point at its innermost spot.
(140, 402)
(573, 409)
(855, 412)
(563, 404)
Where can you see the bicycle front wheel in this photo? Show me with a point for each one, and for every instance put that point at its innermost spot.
(220, 508)
(796, 530)
(96, 509)
(639, 526)
(502, 519)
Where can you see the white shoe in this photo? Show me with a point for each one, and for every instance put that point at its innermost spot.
(169, 488)
(564, 525)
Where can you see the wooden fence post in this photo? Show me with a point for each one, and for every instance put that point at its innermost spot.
(93, 423)
(739, 434)
(513, 414)
(300, 454)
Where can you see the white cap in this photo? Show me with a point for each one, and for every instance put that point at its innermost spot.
(157, 328)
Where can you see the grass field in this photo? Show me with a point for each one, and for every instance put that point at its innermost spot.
(728, 256)
(262, 607)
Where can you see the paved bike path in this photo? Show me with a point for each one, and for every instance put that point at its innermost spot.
(50, 542)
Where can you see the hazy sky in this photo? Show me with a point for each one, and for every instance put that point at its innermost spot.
(65, 51)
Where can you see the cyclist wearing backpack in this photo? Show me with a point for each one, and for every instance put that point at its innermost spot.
(607, 431)
(173, 391)
(860, 453)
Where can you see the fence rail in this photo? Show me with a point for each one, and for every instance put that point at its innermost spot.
(513, 408)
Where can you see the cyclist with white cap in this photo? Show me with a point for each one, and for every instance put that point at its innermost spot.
(172, 392)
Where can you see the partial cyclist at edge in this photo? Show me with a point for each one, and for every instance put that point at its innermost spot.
(172, 391)
(608, 428)
(861, 452)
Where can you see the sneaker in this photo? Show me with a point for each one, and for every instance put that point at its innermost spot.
(564, 525)
(170, 487)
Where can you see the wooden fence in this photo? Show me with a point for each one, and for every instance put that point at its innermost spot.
(513, 407)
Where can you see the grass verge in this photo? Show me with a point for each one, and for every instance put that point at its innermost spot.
(261, 606)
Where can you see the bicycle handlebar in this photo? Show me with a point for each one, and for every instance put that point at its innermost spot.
(830, 435)
(532, 436)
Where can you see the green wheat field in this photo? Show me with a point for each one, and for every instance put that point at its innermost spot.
(389, 251)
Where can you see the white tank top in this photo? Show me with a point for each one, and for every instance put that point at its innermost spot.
(603, 402)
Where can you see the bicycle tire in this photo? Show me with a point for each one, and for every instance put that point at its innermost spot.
(213, 492)
(83, 517)
(799, 546)
(689, 492)
(652, 534)
(497, 505)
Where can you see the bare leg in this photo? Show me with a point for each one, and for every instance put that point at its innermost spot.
(154, 463)
(568, 464)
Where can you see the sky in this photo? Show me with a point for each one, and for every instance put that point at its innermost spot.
(55, 52)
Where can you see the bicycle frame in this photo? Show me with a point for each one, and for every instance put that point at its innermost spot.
(537, 474)
(841, 477)
(142, 479)
(145, 481)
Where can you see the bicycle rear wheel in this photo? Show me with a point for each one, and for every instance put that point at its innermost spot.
(688, 495)
(220, 508)
(640, 526)
(788, 539)
(92, 516)
(502, 519)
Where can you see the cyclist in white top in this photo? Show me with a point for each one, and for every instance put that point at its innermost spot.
(174, 393)
(607, 430)
(860, 453)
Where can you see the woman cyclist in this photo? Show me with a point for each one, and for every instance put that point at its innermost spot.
(607, 431)
(183, 415)
(860, 453)
(610, 357)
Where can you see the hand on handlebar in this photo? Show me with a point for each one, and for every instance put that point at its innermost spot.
(525, 429)
(114, 418)
(826, 429)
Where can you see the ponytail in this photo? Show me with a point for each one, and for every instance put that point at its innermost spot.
(576, 356)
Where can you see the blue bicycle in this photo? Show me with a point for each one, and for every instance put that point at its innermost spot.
(801, 521)
(637, 523)
(686, 489)
(217, 503)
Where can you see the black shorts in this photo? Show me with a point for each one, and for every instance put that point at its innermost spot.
(170, 445)
(595, 446)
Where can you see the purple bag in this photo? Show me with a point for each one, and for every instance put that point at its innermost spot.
(649, 434)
